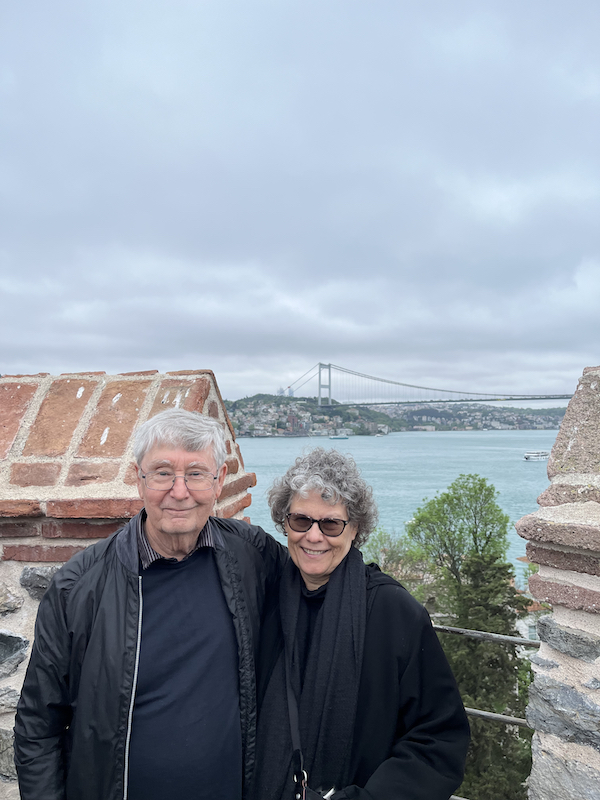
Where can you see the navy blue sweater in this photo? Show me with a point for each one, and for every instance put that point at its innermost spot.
(186, 738)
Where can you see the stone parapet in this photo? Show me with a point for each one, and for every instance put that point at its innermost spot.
(564, 540)
(67, 480)
(563, 770)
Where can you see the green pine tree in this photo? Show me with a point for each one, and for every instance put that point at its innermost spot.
(463, 534)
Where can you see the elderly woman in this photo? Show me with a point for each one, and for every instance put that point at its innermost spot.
(356, 698)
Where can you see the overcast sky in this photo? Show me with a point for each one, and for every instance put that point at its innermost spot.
(406, 189)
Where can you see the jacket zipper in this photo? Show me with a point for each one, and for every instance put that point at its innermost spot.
(133, 689)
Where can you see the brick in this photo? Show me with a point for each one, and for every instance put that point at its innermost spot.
(190, 395)
(130, 475)
(82, 374)
(20, 508)
(235, 487)
(36, 474)
(228, 447)
(577, 445)
(213, 410)
(114, 420)
(86, 472)
(192, 372)
(565, 594)
(222, 405)
(33, 375)
(239, 455)
(232, 465)
(94, 508)
(44, 553)
(14, 529)
(574, 525)
(560, 493)
(61, 410)
(79, 529)
(234, 508)
(14, 402)
(575, 562)
(144, 372)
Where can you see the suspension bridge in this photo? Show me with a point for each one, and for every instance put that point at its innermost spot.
(333, 384)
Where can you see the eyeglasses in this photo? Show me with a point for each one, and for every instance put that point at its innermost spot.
(330, 527)
(163, 479)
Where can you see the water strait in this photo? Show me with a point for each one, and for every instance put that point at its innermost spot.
(407, 468)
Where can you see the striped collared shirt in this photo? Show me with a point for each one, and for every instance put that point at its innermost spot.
(148, 554)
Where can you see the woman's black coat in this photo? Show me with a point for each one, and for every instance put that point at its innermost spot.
(411, 733)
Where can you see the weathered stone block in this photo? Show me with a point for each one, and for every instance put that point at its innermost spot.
(213, 410)
(9, 602)
(559, 493)
(58, 416)
(543, 662)
(87, 472)
(562, 711)
(7, 759)
(37, 579)
(555, 778)
(577, 445)
(571, 642)
(13, 650)
(116, 414)
(565, 594)
(574, 525)
(14, 402)
(574, 562)
(37, 474)
(8, 699)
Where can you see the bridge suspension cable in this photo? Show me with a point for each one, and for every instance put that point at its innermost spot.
(350, 387)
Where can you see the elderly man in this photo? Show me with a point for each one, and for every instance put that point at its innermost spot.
(141, 680)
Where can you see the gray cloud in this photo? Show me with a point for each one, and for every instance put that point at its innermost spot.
(408, 191)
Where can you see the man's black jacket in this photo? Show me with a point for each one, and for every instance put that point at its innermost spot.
(73, 721)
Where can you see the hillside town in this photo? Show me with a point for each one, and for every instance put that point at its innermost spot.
(275, 415)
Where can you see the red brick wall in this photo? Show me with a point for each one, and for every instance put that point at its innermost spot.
(67, 474)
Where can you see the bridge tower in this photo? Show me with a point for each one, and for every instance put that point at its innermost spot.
(325, 368)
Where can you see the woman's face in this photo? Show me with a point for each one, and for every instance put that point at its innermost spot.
(315, 554)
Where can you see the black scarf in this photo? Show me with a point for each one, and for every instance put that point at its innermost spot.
(327, 703)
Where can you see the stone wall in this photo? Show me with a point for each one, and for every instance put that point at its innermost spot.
(564, 539)
(67, 480)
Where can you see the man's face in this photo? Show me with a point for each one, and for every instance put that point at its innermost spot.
(178, 511)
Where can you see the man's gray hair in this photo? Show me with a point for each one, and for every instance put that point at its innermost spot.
(337, 479)
(187, 430)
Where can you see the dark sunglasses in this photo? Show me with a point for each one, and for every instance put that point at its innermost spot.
(330, 527)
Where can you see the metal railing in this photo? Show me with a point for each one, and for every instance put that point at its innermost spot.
(505, 719)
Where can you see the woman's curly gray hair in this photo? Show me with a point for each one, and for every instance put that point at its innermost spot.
(337, 479)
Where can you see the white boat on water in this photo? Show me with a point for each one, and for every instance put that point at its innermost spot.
(537, 455)
(339, 436)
